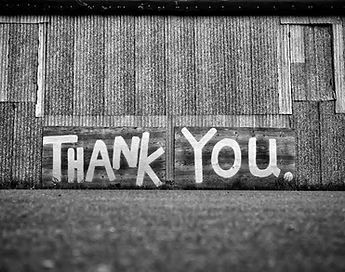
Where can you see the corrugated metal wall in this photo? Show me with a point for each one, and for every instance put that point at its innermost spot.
(150, 71)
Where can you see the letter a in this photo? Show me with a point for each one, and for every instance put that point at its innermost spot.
(272, 166)
(101, 148)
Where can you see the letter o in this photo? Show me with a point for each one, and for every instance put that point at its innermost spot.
(237, 161)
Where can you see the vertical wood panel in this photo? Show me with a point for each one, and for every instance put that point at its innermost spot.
(180, 65)
(332, 144)
(60, 62)
(299, 82)
(209, 61)
(264, 64)
(23, 62)
(6, 140)
(89, 65)
(307, 126)
(4, 50)
(119, 65)
(238, 74)
(150, 65)
(27, 146)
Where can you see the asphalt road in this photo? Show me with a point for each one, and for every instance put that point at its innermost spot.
(102, 231)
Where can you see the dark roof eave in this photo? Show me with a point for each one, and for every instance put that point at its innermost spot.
(184, 7)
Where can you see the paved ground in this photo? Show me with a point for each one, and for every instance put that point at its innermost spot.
(106, 231)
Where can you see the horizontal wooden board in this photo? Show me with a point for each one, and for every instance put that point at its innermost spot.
(201, 172)
(86, 138)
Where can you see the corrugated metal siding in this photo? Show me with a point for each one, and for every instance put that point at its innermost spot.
(89, 65)
(238, 73)
(264, 64)
(22, 62)
(27, 146)
(312, 80)
(332, 144)
(308, 143)
(6, 146)
(59, 69)
(209, 63)
(119, 85)
(180, 66)
(150, 65)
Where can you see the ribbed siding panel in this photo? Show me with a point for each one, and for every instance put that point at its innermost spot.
(60, 62)
(324, 63)
(25, 19)
(89, 65)
(238, 75)
(27, 146)
(150, 65)
(308, 144)
(209, 62)
(106, 121)
(6, 143)
(332, 144)
(119, 65)
(4, 36)
(258, 121)
(180, 66)
(23, 61)
(298, 82)
(264, 31)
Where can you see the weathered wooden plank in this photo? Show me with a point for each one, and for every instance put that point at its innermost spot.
(150, 65)
(308, 143)
(60, 62)
(238, 72)
(22, 59)
(332, 145)
(89, 65)
(170, 148)
(209, 62)
(4, 39)
(106, 121)
(339, 69)
(101, 159)
(27, 146)
(284, 75)
(41, 69)
(180, 65)
(264, 65)
(119, 65)
(6, 146)
(297, 54)
(225, 158)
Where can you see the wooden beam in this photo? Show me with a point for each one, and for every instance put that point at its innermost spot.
(41, 70)
(304, 20)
